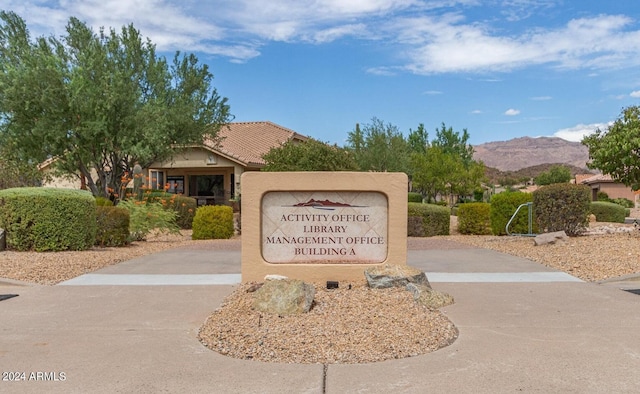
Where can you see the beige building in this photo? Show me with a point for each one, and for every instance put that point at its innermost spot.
(211, 172)
(604, 183)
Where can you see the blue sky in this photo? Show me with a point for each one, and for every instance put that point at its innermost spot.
(500, 69)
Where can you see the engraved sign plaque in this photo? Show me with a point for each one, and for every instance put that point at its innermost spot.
(324, 227)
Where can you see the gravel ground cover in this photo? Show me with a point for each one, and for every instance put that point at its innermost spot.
(356, 325)
(50, 268)
(591, 258)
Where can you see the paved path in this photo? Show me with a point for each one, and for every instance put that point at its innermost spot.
(132, 328)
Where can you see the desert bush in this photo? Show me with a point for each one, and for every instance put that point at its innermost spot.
(48, 219)
(608, 211)
(103, 202)
(474, 218)
(624, 202)
(562, 206)
(185, 207)
(415, 197)
(427, 220)
(503, 206)
(602, 196)
(145, 217)
(113, 226)
(213, 222)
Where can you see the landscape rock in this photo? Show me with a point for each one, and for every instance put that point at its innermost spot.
(610, 229)
(391, 275)
(550, 238)
(3, 240)
(284, 297)
(432, 299)
(275, 277)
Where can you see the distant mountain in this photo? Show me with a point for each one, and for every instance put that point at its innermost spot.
(526, 152)
(523, 175)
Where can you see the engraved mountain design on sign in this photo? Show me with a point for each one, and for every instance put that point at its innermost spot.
(318, 203)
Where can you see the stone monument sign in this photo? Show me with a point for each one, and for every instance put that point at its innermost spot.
(322, 226)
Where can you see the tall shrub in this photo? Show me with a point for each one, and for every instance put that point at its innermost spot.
(474, 218)
(563, 206)
(503, 206)
(113, 226)
(48, 219)
(608, 211)
(427, 220)
(213, 222)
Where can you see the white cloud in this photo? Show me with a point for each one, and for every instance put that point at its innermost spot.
(541, 98)
(635, 93)
(432, 36)
(432, 92)
(512, 112)
(476, 112)
(382, 71)
(578, 132)
(446, 44)
(332, 34)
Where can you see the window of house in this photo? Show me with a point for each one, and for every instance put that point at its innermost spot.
(157, 180)
(176, 184)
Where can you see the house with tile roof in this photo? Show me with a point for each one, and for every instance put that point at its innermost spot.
(604, 183)
(211, 172)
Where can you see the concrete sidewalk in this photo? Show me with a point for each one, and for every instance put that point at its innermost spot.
(523, 327)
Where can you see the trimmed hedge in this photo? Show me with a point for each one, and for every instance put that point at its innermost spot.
(48, 219)
(503, 206)
(474, 218)
(427, 220)
(608, 211)
(415, 197)
(563, 206)
(113, 226)
(213, 222)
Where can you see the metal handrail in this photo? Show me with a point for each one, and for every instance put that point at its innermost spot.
(530, 234)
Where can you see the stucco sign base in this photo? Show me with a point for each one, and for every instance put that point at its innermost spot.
(322, 226)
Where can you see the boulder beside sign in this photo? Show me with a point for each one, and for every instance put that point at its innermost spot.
(320, 226)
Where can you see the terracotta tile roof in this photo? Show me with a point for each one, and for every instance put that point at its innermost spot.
(579, 178)
(598, 178)
(247, 142)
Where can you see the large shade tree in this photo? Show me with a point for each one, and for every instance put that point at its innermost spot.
(98, 103)
(15, 172)
(616, 150)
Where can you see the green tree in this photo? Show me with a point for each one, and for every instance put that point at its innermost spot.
(452, 142)
(418, 139)
(16, 172)
(616, 151)
(100, 102)
(311, 155)
(556, 174)
(379, 147)
(432, 171)
(447, 167)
